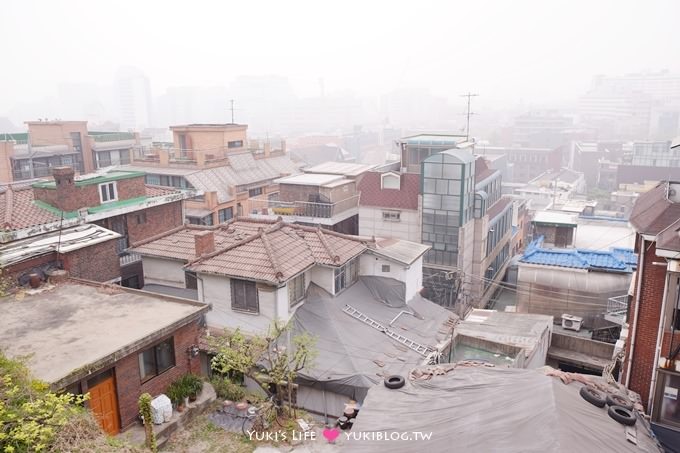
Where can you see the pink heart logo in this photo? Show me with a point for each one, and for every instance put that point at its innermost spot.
(331, 434)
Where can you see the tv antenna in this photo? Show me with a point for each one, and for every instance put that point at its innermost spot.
(231, 101)
(469, 97)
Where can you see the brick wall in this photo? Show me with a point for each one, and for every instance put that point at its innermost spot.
(97, 262)
(72, 197)
(651, 297)
(128, 379)
(159, 219)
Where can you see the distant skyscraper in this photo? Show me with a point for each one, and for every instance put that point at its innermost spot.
(133, 93)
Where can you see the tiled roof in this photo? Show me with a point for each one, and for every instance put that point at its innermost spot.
(372, 193)
(616, 260)
(243, 170)
(18, 209)
(653, 212)
(256, 250)
(669, 239)
(179, 242)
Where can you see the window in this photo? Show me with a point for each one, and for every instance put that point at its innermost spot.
(190, 280)
(107, 192)
(296, 290)
(390, 181)
(225, 214)
(141, 218)
(157, 359)
(207, 220)
(346, 275)
(255, 192)
(244, 296)
(667, 407)
(391, 216)
(235, 144)
(385, 267)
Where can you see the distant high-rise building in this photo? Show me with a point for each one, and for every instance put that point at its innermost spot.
(133, 93)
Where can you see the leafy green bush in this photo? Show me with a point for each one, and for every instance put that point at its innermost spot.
(192, 383)
(30, 414)
(225, 389)
(177, 391)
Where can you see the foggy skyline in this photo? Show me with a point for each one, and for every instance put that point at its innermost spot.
(510, 52)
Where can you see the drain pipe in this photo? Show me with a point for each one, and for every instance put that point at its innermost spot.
(637, 310)
(659, 336)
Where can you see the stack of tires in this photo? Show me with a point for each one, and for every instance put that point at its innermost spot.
(619, 407)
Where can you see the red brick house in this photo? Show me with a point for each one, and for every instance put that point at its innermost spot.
(115, 343)
(119, 201)
(652, 365)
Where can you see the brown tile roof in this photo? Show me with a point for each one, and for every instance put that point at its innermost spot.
(17, 209)
(372, 193)
(653, 212)
(256, 249)
(669, 239)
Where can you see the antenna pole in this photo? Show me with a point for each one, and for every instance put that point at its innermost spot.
(231, 101)
(469, 97)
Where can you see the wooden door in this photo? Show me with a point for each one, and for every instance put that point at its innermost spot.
(104, 405)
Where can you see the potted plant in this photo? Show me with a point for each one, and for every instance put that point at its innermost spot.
(194, 386)
(177, 394)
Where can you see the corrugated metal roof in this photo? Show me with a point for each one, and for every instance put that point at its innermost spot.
(68, 240)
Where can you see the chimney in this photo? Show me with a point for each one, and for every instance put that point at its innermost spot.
(204, 243)
(65, 196)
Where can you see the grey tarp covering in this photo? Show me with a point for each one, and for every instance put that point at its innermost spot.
(350, 353)
(480, 409)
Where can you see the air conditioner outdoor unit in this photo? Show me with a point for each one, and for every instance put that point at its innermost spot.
(572, 322)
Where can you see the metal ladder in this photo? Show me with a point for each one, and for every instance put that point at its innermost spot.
(419, 348)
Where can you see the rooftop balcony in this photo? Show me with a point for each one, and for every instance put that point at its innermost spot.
(304, 211)
(617, 309)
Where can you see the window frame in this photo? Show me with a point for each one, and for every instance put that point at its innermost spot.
(663, 376)
(391, 216)
(220, 218)
(346, 275)
(234, 284)
(296, 290)
(110, 187)
(155, 351)
(255, 191)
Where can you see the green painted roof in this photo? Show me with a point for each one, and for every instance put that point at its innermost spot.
(110, 176)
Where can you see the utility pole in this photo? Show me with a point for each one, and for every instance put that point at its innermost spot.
(469, 97)
(231, 101)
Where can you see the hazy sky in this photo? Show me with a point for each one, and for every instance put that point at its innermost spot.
(535, 51)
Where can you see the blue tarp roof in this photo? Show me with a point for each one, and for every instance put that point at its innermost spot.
(617, 259)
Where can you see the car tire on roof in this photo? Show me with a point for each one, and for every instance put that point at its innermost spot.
(619, 400)
(593, 396)
(394, 382)
(622, 415)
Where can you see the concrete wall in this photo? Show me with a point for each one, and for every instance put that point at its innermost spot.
(273, 303)
(583, 345)
(554, 291)
(162, 271)
(324, 277)
(371, 223)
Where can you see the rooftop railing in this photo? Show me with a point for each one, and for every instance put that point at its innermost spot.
(302, 208)
(617, 309)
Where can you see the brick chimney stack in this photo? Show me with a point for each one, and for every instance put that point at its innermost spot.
(66, 194)
(204, 243)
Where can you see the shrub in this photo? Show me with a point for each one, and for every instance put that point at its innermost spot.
(177, 391)
(192, 383)
(30, 414)
(225, 389)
